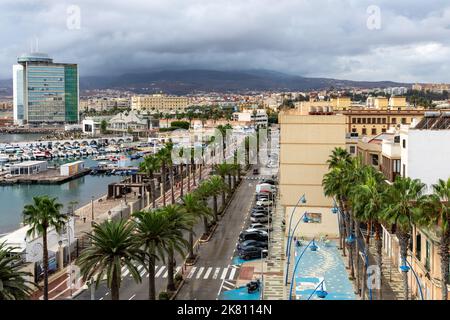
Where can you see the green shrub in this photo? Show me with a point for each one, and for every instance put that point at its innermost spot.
(163, 295)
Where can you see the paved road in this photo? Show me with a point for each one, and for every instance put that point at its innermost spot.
(216, 256)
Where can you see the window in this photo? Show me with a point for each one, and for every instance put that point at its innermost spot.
(379, 120)
(384, 120)
(353, 120)
(374, 159)
(394, 120)
(428, 256)
(364, 120)
(364, 131)
(374, 120)
(353, 129)
(359, 120)
(404, 143)
(374, 131)
(396, 166)
(383, 130)
(403, 120)
(404, 171)
(418, 246)
(352, 149)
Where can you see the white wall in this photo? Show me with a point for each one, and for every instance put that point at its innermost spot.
(427, 155)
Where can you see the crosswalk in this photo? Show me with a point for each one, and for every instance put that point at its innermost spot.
(198, 273)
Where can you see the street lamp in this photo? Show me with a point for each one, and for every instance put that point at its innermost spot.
(321, 293)
(263, 252)
(302, 200)
(312, 242)
(305, 219)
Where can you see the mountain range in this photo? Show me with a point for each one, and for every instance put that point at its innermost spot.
(191, 81)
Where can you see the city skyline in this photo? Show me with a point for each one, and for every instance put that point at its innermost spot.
(366, 40)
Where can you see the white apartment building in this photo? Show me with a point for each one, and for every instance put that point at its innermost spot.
(156, 103)
(256, 116)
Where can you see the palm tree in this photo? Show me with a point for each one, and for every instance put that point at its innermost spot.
(149, 166)
(163, 156)
(113, 246)
(169, 146)
(43, 214)
(179, 221)
(339, 156)
(223, 170)
(193, 206)
(435, 214)
(216, 186)
(367, 204)
(401, 203)
(154, 234)
(13, 283)
(203, 194)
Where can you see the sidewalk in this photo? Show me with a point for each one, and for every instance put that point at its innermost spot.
(274, 267)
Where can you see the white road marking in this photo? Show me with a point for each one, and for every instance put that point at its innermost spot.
(125, 273)
(192, 272)
(132, 296)
(199, 273)
(231, 276)
(160, 271)
(216, 273)
(166, 273)
(207, 273)
(101, 298)
(224, 273)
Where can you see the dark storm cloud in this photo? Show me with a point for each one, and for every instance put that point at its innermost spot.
(310, 38)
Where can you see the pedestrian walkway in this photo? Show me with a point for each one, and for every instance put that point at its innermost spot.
(197, 273)
(274, 267)
(391, 281)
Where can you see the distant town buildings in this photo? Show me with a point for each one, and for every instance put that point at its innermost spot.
(44, 91)
(433, 87)
(252, 117)
(157, 103)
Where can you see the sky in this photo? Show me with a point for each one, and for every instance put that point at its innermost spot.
(398, 40)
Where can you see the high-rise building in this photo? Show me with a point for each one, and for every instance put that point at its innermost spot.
(44, 91)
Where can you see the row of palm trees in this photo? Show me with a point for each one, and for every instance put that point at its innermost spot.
(364, 197)
(149, 236)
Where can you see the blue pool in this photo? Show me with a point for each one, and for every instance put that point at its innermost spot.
(324, 264)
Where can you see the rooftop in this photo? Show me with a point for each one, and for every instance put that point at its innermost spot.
(434, 120)
(35, 57)
(28, 163)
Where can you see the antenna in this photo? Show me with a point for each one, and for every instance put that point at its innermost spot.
(37, 44)
(31, 46)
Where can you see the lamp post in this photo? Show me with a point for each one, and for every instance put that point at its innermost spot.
(60, 242)
(92, 210)
(313, 246)
(289, 244)
(262, 272)
(302, 200)
(322, 293)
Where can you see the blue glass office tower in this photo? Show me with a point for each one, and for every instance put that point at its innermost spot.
(44, 91)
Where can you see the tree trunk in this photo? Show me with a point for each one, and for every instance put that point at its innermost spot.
(404, 239)
(153, 190)
(205, 225)
(182, 180)
(200, 173)
(215, 207)
(45, 262)
(172, 180)
(170, 273)
(230, 185)
(188, 170)
(163, 182)
(194, 172)
(357, 249)
(191, 244)
(379, 246)
(443, 252)
(115, 287)
(151, 278)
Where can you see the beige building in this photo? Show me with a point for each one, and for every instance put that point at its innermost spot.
(306, 142)
(159, 103)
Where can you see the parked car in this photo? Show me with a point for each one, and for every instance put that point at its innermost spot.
(252, 236)
(263, 232)
(269, 181)
(252, 253)
(260, 218)
(259, 226)
(263, 213)
(265, 202)
(251, 243)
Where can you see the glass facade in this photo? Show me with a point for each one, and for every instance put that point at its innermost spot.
(45, 92)
(71, 93)
(45, 86)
